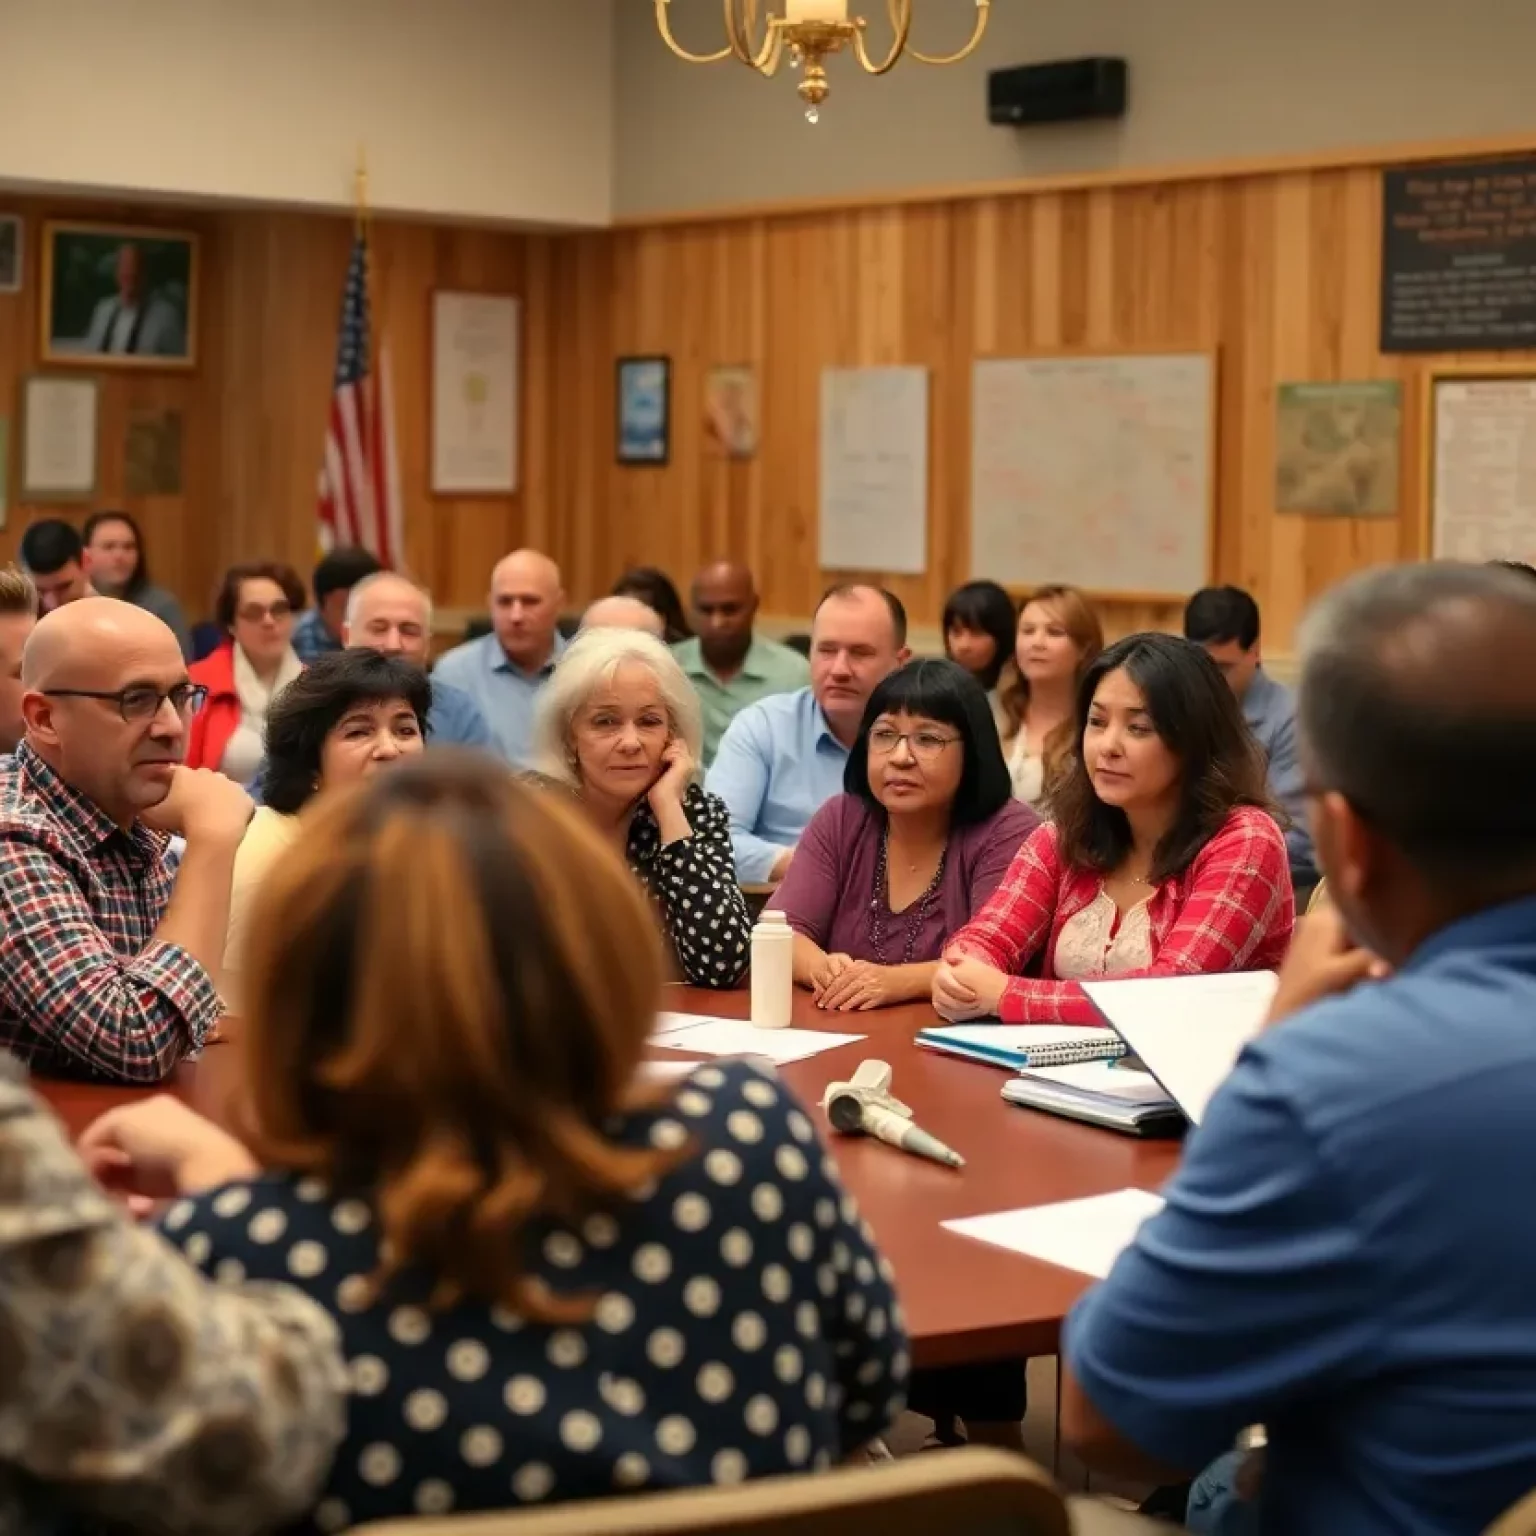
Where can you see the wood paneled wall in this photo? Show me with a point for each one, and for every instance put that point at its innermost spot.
(254, 408)
(1278, 274)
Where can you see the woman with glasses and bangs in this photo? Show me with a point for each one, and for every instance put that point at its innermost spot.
(921, 837)
(255, 609)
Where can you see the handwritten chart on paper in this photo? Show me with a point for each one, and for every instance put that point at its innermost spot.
(1095, 471)
(874, 469)
(1484, 496)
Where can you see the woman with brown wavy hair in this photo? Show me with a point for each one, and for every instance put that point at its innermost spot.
(1058, 638)
(553, 1280)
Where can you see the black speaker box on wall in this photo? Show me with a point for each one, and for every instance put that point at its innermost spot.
(1062, 91)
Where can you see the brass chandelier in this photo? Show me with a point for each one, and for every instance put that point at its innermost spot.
(810, 32)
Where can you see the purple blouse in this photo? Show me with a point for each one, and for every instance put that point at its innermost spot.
(831, 881)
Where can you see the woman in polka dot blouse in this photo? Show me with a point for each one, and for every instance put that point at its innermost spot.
(620, 725)
(552, 1280)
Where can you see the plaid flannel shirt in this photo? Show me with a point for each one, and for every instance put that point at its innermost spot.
(133, 1390)
(1232, 909)
(84, 987)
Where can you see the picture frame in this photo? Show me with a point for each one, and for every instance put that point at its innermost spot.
(731, 411)
(118, 296)
(13, 247)
(643, 427)
(59, 447)
(475, 405)
(1339, 447)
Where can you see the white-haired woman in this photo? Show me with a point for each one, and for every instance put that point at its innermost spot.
(619, 724)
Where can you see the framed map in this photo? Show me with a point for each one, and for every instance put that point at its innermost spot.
(1339, 448)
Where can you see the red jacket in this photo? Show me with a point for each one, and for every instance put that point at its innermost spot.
(1232, 909)
(209, 732)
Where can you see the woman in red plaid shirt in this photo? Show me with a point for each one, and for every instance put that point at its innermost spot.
(1163, 857)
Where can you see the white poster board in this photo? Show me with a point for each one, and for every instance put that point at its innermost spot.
(1483, 496)
(474, 393)
(58, 439)
(874, 469)
(1094, 471)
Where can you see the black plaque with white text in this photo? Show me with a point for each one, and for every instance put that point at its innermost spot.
(1458, 257)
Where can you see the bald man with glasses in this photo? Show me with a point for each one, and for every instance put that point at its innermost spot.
(103, 971)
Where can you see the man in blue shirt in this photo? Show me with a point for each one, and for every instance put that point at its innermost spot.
(318, 632)
(782, 758)
(1225, 620)
(1344, 1256)
(504, 671)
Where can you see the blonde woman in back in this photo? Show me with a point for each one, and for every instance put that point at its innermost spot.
(1058, 638)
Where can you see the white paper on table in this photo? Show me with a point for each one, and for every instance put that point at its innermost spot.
(1187, 1030)
(735, 1037)
(1086, 1235)
(667, 1022)
(660, 1070)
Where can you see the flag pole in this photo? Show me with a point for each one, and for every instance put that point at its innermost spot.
(360, 193)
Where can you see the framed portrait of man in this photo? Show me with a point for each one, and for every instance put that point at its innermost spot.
(119, 297)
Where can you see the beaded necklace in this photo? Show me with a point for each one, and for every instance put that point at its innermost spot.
(916, 914)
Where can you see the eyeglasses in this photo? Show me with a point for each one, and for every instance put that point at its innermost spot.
(926, 745)
(141, 702)
(254, 613)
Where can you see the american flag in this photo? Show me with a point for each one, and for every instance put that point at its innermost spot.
(360, 475)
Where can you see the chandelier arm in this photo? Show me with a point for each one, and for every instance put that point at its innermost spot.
(742, 31)
(664, 26)
(900, 12)
(982, 9)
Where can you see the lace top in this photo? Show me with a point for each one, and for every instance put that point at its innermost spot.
(1099, 941)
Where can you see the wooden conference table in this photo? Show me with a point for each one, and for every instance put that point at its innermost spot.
(965, 1300)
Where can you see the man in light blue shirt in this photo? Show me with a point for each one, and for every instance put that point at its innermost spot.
(782, 758)
(1345, 1256)
(1225, 620)
(503, 671)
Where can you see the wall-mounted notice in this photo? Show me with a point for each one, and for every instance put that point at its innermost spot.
(1096, 471)
(1458, 257)
(874, 469)
(1483, 492)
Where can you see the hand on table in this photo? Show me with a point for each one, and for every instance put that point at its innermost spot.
(158, 1142)
(859, 986)
(965, 988)
(826, 971)
(1323, 962)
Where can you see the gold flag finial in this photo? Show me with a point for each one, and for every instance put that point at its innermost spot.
(360, 191)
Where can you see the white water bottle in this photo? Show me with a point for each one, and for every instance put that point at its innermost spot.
(773, 971)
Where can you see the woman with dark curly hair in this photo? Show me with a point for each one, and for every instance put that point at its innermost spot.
(346, 716)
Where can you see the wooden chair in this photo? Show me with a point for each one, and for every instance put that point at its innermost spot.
(972, 1492)
(1519, 1521)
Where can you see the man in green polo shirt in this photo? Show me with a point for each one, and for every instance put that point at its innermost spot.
(727, 664)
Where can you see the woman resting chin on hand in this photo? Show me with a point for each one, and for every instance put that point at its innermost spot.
(920, 838)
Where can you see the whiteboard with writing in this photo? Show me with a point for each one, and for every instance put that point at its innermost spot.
(1483, 502)
(874, 469)
(1094, 471)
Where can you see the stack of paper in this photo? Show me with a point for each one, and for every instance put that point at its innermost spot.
(1187, 1030)
(1023, 1045)
(1098, 1093)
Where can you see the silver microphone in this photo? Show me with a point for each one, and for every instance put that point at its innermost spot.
(865, 1104)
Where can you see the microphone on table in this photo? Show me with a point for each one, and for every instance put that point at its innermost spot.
(865, 1104)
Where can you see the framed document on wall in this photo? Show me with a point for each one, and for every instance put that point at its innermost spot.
(474, 394)
(1481, 471)
(58, 438)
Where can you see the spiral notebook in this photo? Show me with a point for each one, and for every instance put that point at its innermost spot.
(1017, 1046)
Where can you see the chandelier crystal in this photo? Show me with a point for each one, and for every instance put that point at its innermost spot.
(808, 33)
